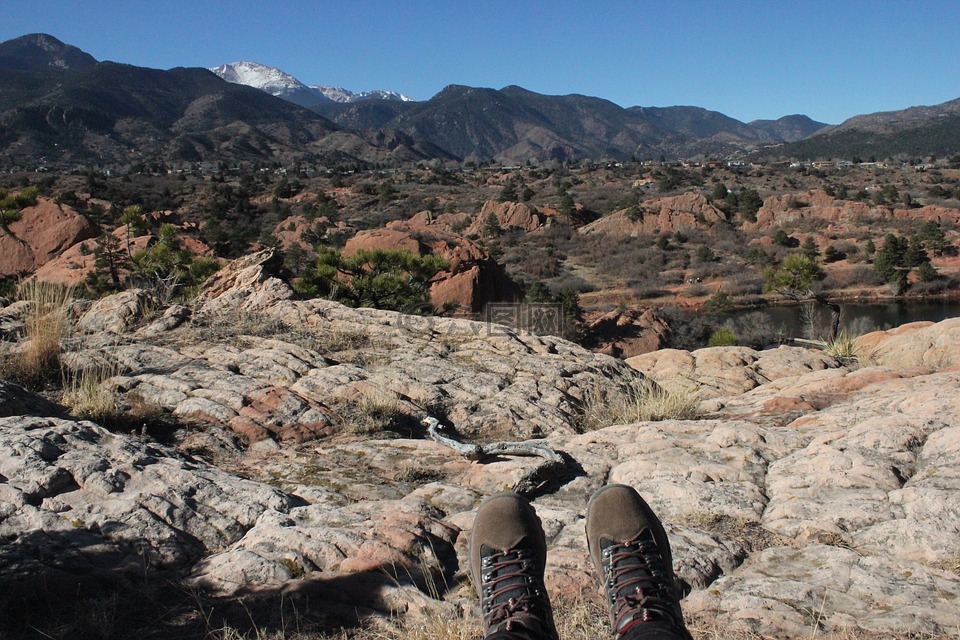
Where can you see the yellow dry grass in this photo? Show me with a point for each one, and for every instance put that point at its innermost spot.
(88, 397)
(642, 401)
(47, 325)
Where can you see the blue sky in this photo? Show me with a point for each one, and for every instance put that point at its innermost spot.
(747, 59)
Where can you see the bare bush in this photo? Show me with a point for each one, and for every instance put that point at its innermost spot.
(860, 275)
(744, 284)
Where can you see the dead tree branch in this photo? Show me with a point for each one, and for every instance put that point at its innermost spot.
(553, 463)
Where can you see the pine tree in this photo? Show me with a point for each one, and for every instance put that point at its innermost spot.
(810, 248)
(926, 272)
(915, 255)
(110, 257)
(491, 226)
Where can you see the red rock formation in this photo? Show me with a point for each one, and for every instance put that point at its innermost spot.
(72, 265)
(941, 215)
(628, 333)
(662, 215)
(298, 230)
(42, 233)
(473, 278)
(453, 222)
(384, 239)
(510, 215)
(791, 209)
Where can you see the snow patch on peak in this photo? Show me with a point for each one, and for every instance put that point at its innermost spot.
(253, 74)
(339, 94)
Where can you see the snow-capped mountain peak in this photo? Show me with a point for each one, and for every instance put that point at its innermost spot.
(259, 76)
(283, 85)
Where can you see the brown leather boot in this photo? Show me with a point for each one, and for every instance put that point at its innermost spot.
(508, 554)
(631, 554)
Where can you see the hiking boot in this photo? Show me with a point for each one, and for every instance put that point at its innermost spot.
(508, 554)
(631, 553)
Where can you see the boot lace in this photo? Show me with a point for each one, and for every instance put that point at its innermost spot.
(511, 594)
(639, 587)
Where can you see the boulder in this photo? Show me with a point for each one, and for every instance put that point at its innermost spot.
(117, 313)
(252, 280)
(105, 504)
(41, 234)
(728, 371)
(924, 344)
(624, 334)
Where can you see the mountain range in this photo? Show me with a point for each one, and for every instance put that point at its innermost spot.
(514, 124)
(59, 105)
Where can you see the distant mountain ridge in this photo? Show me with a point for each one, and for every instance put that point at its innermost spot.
(514, 124)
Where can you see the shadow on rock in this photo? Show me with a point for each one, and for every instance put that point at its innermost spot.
(69, 585)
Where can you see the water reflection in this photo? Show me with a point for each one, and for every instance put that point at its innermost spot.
(813, 321)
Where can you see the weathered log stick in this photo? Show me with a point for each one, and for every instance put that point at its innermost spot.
(553, 463)
(478, 451)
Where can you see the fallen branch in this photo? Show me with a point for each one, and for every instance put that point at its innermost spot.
(553, 463)
(480, 451)
(816, 343)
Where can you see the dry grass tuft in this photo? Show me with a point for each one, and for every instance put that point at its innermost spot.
(578, 618)
(432, 627)
(47, 325)
(88, 397)
(951, 564)
(377, 410)
(640, 401)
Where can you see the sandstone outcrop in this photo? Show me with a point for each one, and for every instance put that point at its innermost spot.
(662, 215)
(511, 216)
(76, 262)
(451, 221)
(789, 210)
(727, 371)
(41, 234)
(624, 334)
(812, 497)
(818, 206)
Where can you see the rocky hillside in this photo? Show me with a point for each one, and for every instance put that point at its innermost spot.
(915, 132)
(273, 453)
